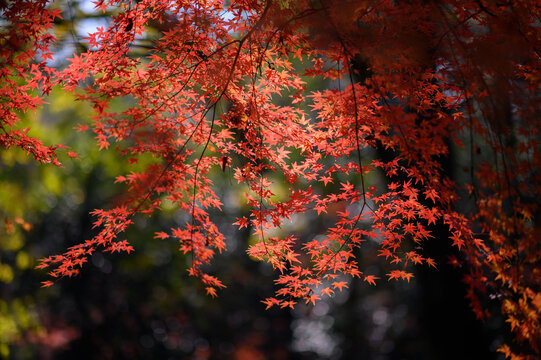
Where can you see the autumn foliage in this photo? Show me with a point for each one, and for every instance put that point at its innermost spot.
(217, 90)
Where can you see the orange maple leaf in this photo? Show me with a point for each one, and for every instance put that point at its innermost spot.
(340, 285)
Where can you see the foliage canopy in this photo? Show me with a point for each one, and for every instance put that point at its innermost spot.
(213, 85)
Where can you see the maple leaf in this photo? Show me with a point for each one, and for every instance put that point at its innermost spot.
(42, 265)
(326, 180)
(81, 128)
(73, 155)
(211, 291)
(340, 285)
(292, 257)
(47, 283)
(385, 252)
(371, 279)
(241, 222)
(431, 194)
(290, 304)
(457, 240)
(399, 274)
(431, 262)
(327, 291)
(312, 299)
(161, 235)
(453, 261)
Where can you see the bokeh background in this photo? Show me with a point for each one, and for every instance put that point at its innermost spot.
(145, 306)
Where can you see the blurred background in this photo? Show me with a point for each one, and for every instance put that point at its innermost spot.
(144, 306)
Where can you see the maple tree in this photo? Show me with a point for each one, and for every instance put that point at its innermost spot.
(217, 90)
